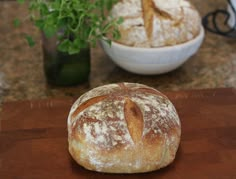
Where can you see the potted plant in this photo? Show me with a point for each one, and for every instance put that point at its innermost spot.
(69, 28)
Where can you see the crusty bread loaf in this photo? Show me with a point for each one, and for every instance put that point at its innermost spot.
(123, 128)
(156, 23)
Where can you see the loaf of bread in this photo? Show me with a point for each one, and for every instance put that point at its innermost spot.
(123, 128)
(156, 23)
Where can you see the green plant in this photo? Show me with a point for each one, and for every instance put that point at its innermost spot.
(76, 23)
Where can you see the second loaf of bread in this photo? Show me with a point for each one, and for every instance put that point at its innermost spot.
(156, 23)
(123, 128)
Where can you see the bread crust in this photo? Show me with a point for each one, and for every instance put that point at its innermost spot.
(156, 23)
(123, 128)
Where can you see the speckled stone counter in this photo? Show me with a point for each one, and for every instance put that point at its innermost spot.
(22, 77)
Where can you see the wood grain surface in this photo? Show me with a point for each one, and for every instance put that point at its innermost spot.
(33, 139)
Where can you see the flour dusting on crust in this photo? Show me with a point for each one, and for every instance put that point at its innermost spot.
(104, 124)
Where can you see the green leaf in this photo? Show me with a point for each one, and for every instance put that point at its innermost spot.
(21, 1)
(30, 40)
(120, 20)
(50, 30)
(64, 45)
(116, 34)
(109, 42)
(16, 22)
(56, 5)
(44, 9)
(73, 50)
(39, 23)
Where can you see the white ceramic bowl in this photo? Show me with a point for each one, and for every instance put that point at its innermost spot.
(232, 18)
(150, 61)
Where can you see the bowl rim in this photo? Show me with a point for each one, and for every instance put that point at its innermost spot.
(197, 38)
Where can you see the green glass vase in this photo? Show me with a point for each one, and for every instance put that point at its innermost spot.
(63, 69)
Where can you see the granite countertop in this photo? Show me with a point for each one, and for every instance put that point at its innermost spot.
(22, 77)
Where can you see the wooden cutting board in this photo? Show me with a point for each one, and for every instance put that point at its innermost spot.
(33, 139)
